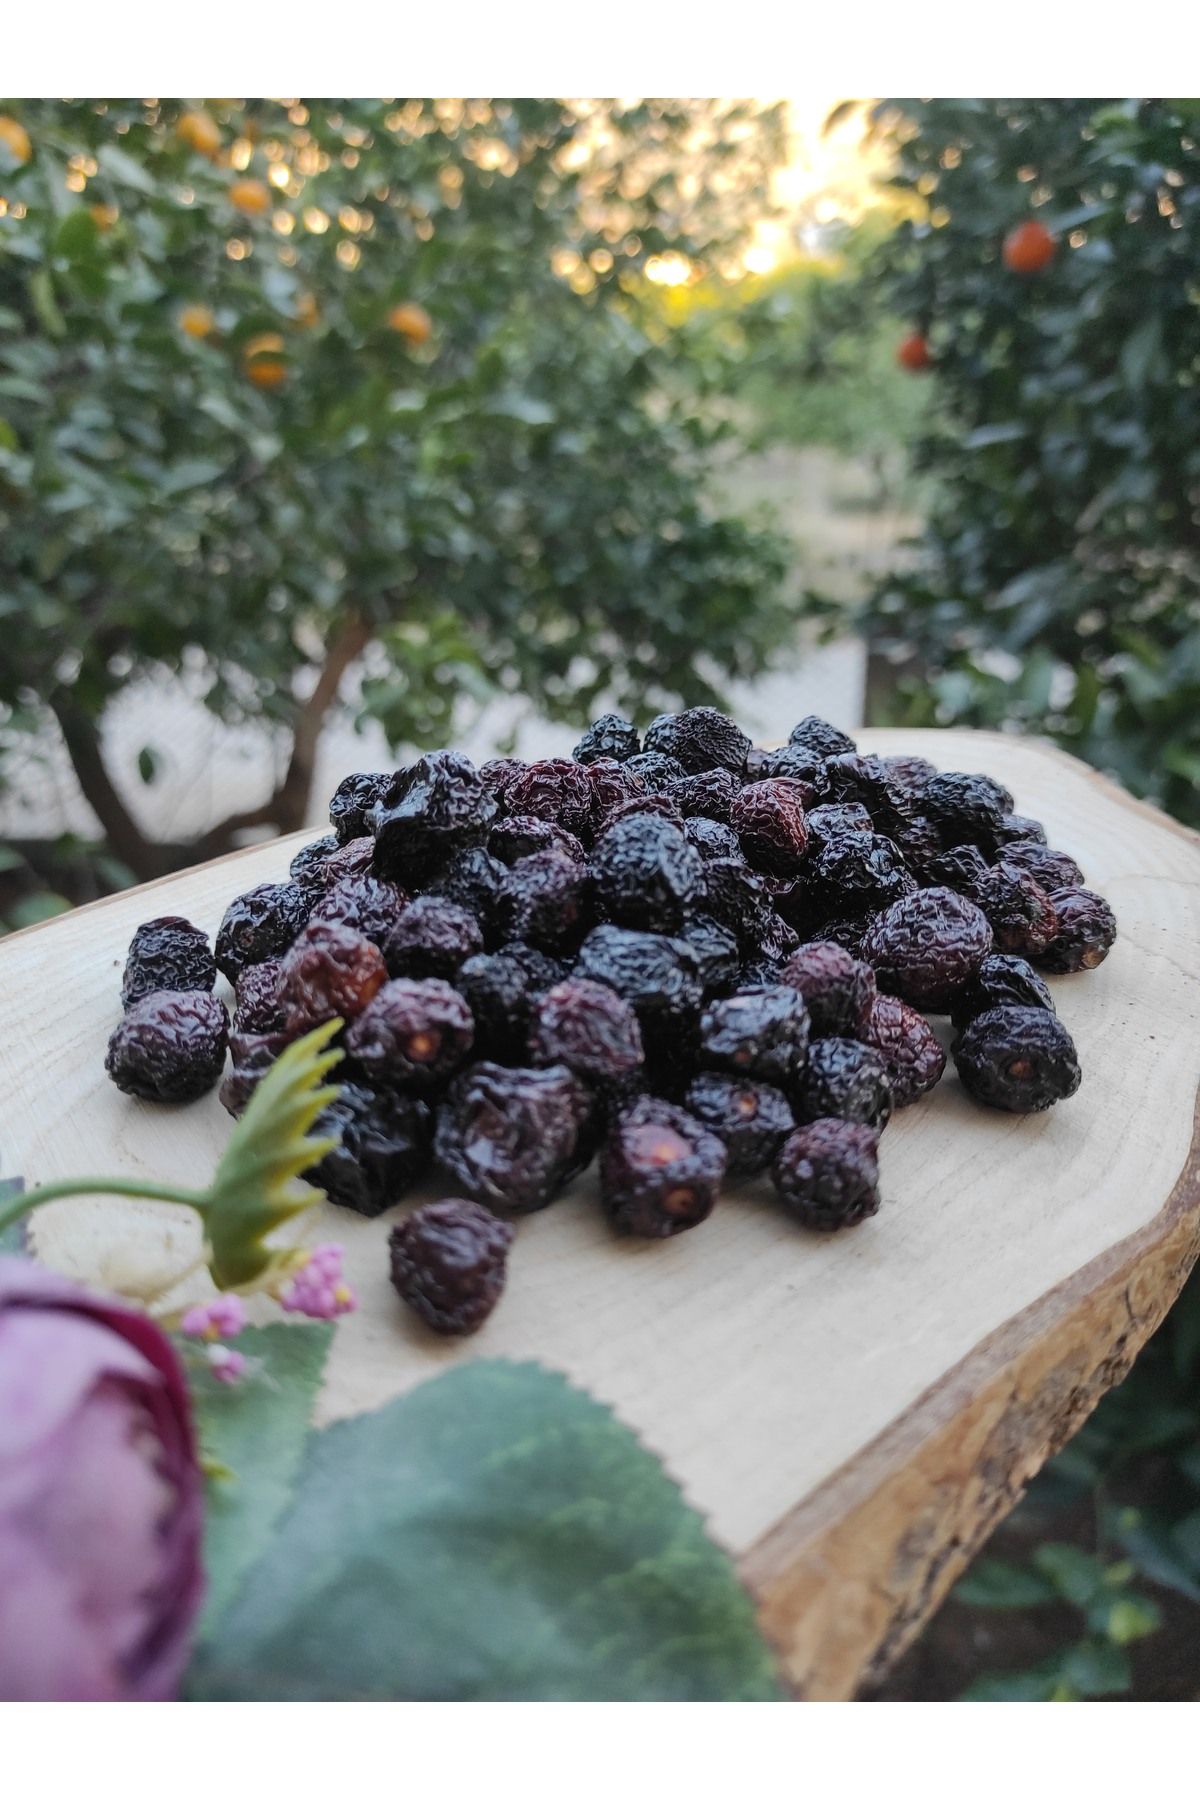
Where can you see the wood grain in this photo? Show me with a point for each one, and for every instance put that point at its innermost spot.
(853, 1415)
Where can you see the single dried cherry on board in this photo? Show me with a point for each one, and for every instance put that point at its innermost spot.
(660, 1170)
(700, 738)
(836, 987)
(412, 1035)
(1019, 1058)
(1087, 931)
(431, 938)
(556, 788)
(928, 946)
(827, 1174)
(169, 1047)
(545, 900)
(751, 1118)
(330, 972)
(909, 1046)
(167, 955)
(759, 1031)
(261, 923)
(646, 874)
(449, 1262)
(384, 1143)
(588, 1028)
(427, 814)
(351, 811)
(843, 1079)
(768, 817)
(609, 736)
(512, 1137)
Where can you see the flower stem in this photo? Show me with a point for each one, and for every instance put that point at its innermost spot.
(21, 1204)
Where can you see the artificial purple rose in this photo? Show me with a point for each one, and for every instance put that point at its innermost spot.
(101, 1504)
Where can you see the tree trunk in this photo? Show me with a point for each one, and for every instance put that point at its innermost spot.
(125, 837)
(284, 810)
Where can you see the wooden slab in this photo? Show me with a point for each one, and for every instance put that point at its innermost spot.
(852, 1414)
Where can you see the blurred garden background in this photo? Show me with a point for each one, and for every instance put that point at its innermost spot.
(334, 429)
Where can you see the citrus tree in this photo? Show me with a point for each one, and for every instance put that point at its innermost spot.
(1048, 279)
(288, 384)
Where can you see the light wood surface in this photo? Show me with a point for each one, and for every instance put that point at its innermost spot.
(852, 1414)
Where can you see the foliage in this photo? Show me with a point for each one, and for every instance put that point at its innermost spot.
(362, 372)
(1058, 586)
(494, 1534)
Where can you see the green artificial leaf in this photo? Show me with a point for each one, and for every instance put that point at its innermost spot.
(493, 1535)
(1001, 1586)
(256, 1430)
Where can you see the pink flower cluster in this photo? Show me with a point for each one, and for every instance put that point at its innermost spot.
(223, 1317)
(317, 1288)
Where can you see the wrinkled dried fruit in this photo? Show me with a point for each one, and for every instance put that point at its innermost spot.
(716, 952)
(500, 990)
(169, 1047)
(361, 903)
(750, 1118)
(448, 1262)
(655, 771)
(412, 1035)
(710, 838)
(967, 809)
(608, 736)
(427, 814)
(708, 795)
(330, 972)
(1019, 1058)
(1001, 981)
(385, 1143)
(258, 1004)
(252, 1054)
(1050, 868)
(829, 821)
(660, 1170)
(557, 789)
(760, 1031)
(471, 880)
(836, 987)
(768, 817)
(167, 955)
(431, 938)
(822, 738)
(498, 776)
(960, 868)
(588, 1028)
(351, 811)
(856, 872)
(700, 738)
(646, 873)
(260, 924)
(522, 835)
(843, 1079)
(512, 1137)
(928, 946)
(827, 1174)
(308, 866)
(545, 900)
(912, 1055)
(868, 781)
(1087, 931)
(1019, 911)
(658, 976)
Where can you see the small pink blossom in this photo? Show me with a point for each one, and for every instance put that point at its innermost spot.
(225, 1364)
(317, 1288)
(223, 1317)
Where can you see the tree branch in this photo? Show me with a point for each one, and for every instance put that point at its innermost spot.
(126, 839)
(286, 807)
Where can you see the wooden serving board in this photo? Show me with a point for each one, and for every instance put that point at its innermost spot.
(852, 1414)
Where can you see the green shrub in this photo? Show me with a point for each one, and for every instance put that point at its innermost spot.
(1058, 584)
(222, 449)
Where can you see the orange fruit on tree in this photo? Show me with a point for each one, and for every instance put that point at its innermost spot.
(250, 195)
(105, 216)
(267, 372)
(263, 359)
(307, 310)
(1029, 247)
(199, 130)
(15, 138)
(912, 352)
(197, 321)
(412, 322)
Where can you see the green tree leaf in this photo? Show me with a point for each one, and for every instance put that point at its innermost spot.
(1002, 1586)
(256, 1429)
(495, 1534)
